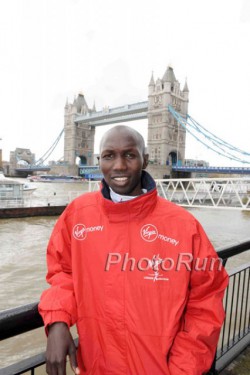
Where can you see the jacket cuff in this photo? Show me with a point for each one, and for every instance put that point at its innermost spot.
(56, 316)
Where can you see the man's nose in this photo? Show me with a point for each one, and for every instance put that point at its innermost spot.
(120, 163)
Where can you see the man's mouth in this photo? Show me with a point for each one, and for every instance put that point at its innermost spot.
(120, 179)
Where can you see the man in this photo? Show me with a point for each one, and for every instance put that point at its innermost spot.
(136, 273)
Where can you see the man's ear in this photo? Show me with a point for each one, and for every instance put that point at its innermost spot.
(145, 161)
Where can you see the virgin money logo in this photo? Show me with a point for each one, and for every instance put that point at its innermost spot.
(149, 232)
(79, 232)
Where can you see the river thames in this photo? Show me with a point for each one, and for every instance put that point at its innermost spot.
(23, 259)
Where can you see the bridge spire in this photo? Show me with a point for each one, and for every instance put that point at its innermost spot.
(152, 81)
(185, 88)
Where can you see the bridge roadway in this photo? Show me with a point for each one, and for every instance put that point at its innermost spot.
(224, 170)
(107, 116)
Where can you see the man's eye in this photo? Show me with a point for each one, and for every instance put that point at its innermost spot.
(130, 155)
(107, 156)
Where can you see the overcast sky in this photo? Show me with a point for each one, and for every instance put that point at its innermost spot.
(53, 49)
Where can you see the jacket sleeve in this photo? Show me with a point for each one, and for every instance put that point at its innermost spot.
(57, 304)
(194, 346)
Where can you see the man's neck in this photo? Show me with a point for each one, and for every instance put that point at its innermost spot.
(118, 198)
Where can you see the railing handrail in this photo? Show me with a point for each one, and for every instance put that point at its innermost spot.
(19, 320)
(226, 252)
(25, 365)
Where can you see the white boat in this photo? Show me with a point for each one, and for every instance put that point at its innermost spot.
(14, 190)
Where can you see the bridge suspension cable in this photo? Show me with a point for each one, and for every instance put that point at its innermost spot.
(210, 140)
(47, 154)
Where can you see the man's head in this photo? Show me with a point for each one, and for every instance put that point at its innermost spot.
(122, 158)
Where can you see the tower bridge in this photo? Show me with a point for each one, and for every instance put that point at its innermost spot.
(168, 121)
(166, 139)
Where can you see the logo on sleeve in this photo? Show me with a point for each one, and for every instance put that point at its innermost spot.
(149, 232)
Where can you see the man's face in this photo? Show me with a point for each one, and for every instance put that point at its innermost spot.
(121, 162)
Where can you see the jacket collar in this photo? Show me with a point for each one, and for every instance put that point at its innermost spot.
(135, 209)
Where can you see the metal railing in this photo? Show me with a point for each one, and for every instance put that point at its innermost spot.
(235, 333)
(231, 193)
(234, 337)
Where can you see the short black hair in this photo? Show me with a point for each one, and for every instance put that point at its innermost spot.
(120, 129)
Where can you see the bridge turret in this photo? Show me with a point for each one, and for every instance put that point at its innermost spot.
(169, 79)
(184, 103)
(185, 88)
(151, 89)
(80, 104)
(66, 104)
(151, 86)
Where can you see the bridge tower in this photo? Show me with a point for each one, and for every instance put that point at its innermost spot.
(166, 138)
(78, 138)
(19, 158)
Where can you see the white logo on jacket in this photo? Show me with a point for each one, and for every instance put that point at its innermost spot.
(154, 264)
(149, 233)
(80, 231)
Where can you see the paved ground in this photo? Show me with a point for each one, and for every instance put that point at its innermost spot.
(241, 366)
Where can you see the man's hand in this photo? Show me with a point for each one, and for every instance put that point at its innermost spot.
(60, 344)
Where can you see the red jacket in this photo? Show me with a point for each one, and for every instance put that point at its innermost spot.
(141, 281)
